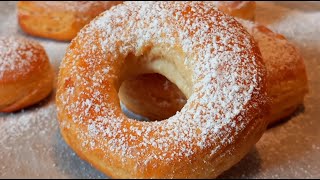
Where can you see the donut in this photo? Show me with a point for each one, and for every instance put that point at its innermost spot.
(240, 9)
(26, 75)
(208, 55)
(58, 20)
(286, 81)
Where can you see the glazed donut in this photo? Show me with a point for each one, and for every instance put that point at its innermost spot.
(148, 96)
(26, 76)
(240, 9)
(59, 20)
(208, 55)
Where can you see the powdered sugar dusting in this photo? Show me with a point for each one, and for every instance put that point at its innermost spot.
(208, 118)
(17, 54)
(13, 126)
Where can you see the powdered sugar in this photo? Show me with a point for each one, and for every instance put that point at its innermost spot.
(17, 54)
(14, 127)
(198, 125)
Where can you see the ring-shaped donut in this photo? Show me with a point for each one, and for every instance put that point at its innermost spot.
(208, 55)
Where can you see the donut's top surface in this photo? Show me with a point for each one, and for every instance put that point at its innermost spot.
(227, 76)
(19, 57)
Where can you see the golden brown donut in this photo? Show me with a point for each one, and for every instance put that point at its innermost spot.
(287, 81)
(241, 9)
(26, 76)
(59, 20)
(207, 54)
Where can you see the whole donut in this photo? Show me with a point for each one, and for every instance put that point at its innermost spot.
(59, 20)
(26, 75)
(156, 98)
(208, 55)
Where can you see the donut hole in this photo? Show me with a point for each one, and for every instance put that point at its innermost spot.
(154, 83)
(150, 97)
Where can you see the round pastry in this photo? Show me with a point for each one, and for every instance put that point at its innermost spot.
(59, 20)
(208, 55)
(26, 76)
(241, 9)
(286, 81)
